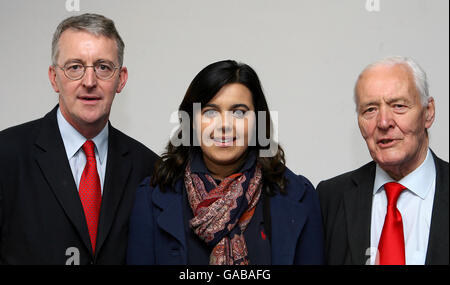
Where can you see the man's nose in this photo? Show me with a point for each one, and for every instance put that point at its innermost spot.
(385, 119)
(89, 79)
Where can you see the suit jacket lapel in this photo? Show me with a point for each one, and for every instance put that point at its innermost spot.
(437, 252)
(118, 169)
(358, 209)
(52, 160)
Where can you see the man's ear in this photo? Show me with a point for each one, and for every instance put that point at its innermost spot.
(52, 78)
(429, 113)
(123, 77)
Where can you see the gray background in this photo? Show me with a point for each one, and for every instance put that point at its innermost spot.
(307, 53)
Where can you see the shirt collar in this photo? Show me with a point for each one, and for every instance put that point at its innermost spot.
(419, 181)
(73, 140)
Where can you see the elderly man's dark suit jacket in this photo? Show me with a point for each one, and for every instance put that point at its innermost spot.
(41, 215)
(346, 202)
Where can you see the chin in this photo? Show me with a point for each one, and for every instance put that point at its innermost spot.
(91, 116)
(224, 160)
(225, 157)
(88, 120)
(389, 160)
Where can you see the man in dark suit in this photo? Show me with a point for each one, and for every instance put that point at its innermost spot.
(67, 180)
(393, 210)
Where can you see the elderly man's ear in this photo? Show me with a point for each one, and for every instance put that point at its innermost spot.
(429, 113)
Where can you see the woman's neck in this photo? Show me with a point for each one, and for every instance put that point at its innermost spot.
(220, 171)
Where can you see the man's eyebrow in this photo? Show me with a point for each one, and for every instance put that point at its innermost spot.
(82, 61)
(100, 60)
(396, 100)
(370, 103)
(73, 60)
(390, 101)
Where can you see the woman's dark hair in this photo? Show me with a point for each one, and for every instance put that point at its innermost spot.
(170, 167)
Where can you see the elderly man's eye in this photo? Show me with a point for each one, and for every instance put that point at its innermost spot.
(369, 110)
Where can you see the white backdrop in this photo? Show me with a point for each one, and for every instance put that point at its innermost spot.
(307, 53)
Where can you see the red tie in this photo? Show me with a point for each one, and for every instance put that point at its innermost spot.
(90, 191)
(392, 242)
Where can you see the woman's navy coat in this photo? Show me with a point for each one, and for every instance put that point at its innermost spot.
(157, 233)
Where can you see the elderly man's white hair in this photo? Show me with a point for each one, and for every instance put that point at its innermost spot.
(419, 75)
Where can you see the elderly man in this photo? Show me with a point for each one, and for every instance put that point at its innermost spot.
(393, 210)
(67, 180)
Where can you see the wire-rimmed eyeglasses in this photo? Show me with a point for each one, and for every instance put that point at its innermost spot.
(75, 70)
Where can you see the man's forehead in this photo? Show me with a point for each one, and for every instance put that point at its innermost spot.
(74, 44)
(386, 80)
(387, 73)
(77, 34)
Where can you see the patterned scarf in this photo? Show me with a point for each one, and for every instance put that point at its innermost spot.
(222, 214)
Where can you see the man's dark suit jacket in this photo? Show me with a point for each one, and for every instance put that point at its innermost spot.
(41, 215)
(346, 202)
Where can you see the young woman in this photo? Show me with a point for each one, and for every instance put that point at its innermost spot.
(220, 197)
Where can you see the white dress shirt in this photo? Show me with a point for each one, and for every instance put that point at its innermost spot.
(415, 205)
(73, 142)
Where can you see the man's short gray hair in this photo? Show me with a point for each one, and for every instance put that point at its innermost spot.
(92, 23)
(419, 75)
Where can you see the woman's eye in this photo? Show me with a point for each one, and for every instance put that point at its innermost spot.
(238, 113)
(210, 113)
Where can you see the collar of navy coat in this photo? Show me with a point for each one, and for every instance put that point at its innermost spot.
(288, 215)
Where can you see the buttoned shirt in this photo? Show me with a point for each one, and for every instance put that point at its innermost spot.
(73, 142)
(415, 205)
